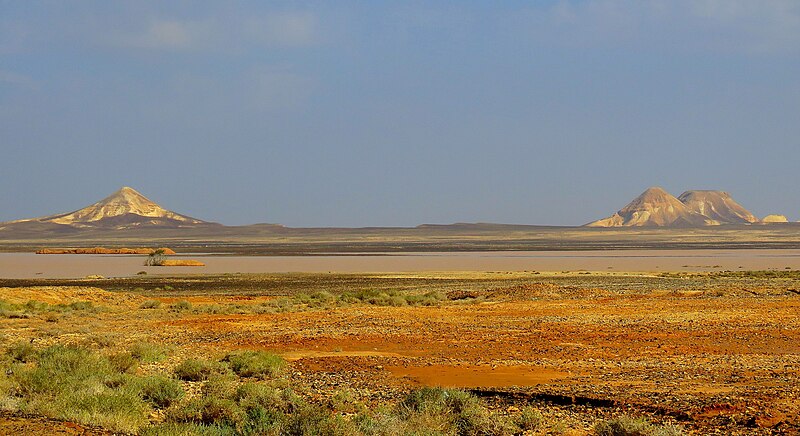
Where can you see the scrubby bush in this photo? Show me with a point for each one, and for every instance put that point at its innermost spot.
(150, 304)
(256, 364)
(148, 352)
(280, 304)
(156, 258)
(181, 306)
(21, 352)
(160, 391)
(529, 419)
(632, 426)
(198, 369)
(460, 411)
(123, 362)
(209, 411)
(73, 383)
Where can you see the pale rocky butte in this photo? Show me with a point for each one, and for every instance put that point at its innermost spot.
(774, 219)
(655, 207)
(717, 205)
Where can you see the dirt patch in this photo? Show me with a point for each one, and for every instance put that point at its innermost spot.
(477, 376)
(25, 425)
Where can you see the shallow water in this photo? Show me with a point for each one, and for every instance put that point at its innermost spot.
(28, 265)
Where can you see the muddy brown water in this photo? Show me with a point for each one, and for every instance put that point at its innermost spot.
(29, 265)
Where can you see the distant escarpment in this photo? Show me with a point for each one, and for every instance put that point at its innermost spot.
(101, 250)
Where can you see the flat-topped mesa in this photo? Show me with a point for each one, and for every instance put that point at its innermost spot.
(655, 207)
(717, 205)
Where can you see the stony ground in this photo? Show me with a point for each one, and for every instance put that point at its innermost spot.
(719, 354)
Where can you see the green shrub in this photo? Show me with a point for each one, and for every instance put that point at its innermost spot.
(82, 305)
(220, 386)
(256, 364)
(73, 383)
(103, 340)
(257, 395)
(316, 299)
(10, 310)
(189, 429)
(197, 369)
(21, 352)
(181, 306)
(439, 409)
(280, 304)
(632, 426)
(148, 352)
(315, 420)
(150, 304)
(115, 409)
(160, 391)
(123, 362)
(344, 401)
(209, 411)
(529, 419)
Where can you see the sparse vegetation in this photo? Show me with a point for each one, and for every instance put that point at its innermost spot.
(181, 306)
(529, 419)
(156, 258)
(633, 426)
(150, 304)
(148, 352)
(339, 322)
(34, 308)
(256, 364)
(198, 369)
(160, 391)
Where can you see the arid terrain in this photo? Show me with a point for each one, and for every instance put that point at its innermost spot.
(710, 352)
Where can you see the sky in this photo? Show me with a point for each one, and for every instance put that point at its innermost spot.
(372, 113)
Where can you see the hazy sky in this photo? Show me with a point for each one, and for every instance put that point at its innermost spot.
(398, 113)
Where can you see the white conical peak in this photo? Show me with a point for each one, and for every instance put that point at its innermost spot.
(125, 201)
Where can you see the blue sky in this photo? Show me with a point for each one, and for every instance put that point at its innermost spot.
(398, 113)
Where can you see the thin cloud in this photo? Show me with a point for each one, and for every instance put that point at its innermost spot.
(167, 35)
(15, 79)
(281, 29)
(285, 29)
(767, 26)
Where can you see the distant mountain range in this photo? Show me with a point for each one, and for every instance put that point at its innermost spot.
(656, 207)
(128, 210)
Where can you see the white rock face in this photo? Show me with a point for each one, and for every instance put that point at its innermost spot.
(717, 205)
(125, 201)
(125, 208)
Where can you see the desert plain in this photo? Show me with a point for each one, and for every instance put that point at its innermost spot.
(560, 352)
